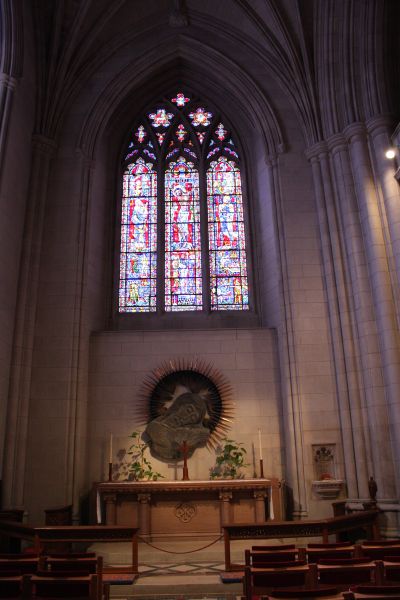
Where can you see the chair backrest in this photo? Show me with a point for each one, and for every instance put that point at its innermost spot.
(376, 589)
(71, 555)
(388, 596)
(26, 565)
(280, 565)
(331, 545)
(87, 565)
(344, 561)
(262, 557)
(259, 582)
(17, 556)
(391, 571)
(65, 587)
(15, 587)
(273, 548)
(315, 554)
(318, 592)
(380, 551)
(343, 576)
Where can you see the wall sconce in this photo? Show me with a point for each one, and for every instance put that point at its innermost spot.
(390, 153)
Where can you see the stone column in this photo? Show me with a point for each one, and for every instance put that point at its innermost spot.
(339, 318)
(379, 136)
(21, 366)
(382, 292)
(292, 417)
(110, 501)
(7, 86)
(144, 513)
(77, 422)
(226, 507)
(259, 505)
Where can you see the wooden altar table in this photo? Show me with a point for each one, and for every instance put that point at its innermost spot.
(186, 508)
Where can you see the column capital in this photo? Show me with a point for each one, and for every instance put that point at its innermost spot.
(144, 498)
(225, 496)
(357, 129)
(316, 151)
(86, 160)
(380, 124)
(260, 494)
(8, 81)
(44, 144)
(337, 143)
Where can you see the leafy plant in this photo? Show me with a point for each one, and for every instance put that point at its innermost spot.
(229, 461)
(133, 465)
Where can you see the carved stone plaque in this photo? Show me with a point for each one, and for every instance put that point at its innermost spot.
(185, 512)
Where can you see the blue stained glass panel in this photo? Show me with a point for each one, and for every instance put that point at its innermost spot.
(227, 244)
(183, 284)
(138, 258)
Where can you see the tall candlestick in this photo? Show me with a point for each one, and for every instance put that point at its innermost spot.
(259, 443)
(111, 448)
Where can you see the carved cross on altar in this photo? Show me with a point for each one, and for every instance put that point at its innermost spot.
(184, 448)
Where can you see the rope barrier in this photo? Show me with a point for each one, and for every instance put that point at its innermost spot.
(140, 539)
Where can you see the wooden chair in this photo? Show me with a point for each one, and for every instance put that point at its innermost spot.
(85, 587)
(259, 582)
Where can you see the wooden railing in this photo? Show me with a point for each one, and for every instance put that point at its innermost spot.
(309, 528)
(39, 536)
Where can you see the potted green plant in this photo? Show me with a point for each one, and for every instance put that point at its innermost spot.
(132, 464)
(230, 459)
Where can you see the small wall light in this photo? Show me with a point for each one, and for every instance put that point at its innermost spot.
(390, 153)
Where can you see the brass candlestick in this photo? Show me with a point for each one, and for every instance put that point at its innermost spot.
(261, 469)
(110, 466)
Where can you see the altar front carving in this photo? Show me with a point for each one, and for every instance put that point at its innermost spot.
(176, 508)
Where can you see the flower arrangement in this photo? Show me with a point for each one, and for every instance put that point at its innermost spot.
(230, 459)
(132, 464)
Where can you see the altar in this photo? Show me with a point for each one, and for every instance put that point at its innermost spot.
(187, 508)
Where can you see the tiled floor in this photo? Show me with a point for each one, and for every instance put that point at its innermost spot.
(198, 568)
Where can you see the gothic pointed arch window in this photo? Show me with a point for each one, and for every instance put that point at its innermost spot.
(183, 241)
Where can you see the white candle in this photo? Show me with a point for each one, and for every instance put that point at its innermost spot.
(259, 443)
(111, 448)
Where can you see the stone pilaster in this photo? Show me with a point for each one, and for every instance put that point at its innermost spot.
(21, 366)
(384, 309)
(339, 314)
(292, 412)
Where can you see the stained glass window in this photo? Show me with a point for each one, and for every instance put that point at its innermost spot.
(181, 166)
(183, 280)
(228, 273)
(138, 239)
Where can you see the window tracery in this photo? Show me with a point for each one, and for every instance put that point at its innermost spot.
(183, 245)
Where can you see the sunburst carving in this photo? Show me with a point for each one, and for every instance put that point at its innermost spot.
(165, 383)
